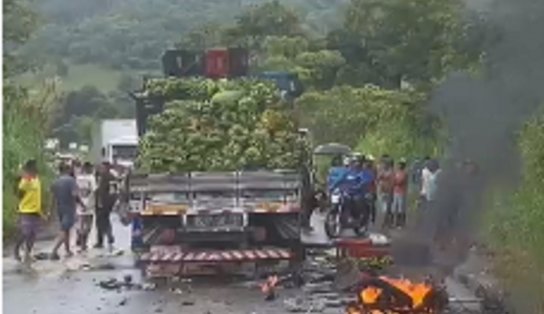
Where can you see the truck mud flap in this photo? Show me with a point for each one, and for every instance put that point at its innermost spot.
(175, 255)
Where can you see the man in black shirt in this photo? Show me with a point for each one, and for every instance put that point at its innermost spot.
(105, 199)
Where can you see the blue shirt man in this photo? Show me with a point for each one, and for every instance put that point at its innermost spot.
(354, 182)
(368, 178)
(336, 174)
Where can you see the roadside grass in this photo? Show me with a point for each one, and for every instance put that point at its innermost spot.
(515, 225)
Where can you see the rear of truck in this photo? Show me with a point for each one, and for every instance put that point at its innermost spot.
(200, 219)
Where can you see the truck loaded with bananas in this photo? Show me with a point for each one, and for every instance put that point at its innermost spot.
(211, 125)
(221, 173)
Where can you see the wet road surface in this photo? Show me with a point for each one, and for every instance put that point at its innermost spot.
(72, 286)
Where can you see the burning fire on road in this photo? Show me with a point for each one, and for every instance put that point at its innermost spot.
(385, 295)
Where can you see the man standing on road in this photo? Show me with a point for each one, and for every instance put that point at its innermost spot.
(104, 205)
(370, 173)
(386, 182)
(30, 209)
(65, 198)
(399, 194)
(429, 182)
(86, 183)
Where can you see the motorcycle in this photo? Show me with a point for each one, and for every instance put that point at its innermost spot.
(339, 218)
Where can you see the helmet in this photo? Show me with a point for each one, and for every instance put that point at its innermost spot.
(347, 160)
(356, 158)
(357, 155)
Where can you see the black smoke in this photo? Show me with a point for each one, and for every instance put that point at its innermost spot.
(483, 116)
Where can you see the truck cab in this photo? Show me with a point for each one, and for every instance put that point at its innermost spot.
(122, 150)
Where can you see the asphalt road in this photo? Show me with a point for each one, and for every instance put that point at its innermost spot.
(72, 286)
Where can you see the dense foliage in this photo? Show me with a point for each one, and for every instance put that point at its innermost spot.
(26, 114)
(372, 119)
(133, 33)
(211, 125)
(517, 223)
(79, 111)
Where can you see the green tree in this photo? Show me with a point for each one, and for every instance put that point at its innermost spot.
(258, 22)
(26, 114)
(76, 107)
(203, 37)
(268, 19)
(417, 41)
(371, 118)
(318, 69)
(19, 24)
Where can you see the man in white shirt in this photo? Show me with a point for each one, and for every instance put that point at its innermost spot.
(429, 176)
(86, 182)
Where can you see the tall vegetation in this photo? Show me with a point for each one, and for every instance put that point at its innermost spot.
(517, 223)
(25, 113)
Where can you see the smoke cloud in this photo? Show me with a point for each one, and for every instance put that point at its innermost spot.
(484, 115)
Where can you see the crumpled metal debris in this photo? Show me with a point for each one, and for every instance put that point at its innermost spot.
(300, 305)
(114, 284)
(110, 284)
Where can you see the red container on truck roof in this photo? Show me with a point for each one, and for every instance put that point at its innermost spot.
(217, 63)
(226, 62)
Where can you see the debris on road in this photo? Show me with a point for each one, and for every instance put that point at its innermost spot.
(188, 303)
(114, 284)
(149, 286)
(123, 302)
(42, 256)
(304, 305)
(269, 288)
(127, 279)
(110, 284)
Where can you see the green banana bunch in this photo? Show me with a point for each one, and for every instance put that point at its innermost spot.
(218, 125)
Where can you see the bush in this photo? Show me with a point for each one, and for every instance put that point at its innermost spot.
(25, 121)
(371, 119)
(516, 223)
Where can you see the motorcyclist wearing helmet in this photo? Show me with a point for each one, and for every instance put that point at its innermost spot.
(353, 185)
(338, 170)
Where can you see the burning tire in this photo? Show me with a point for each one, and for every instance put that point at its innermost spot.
(383, 295)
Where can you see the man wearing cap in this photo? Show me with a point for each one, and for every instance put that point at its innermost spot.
(30, 209)
(353, 183)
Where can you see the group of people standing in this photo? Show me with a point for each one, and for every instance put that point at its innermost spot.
(80, 194)
(382, 185)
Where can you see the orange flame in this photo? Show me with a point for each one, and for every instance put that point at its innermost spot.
(416, 291)
(370, 296)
